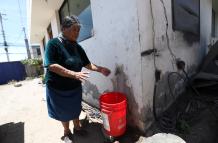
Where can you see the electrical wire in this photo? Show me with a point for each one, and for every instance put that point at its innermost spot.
(199, 97)
(20, 13)
(14, 53)
(167, 122)
(167, 35)
(164, 120)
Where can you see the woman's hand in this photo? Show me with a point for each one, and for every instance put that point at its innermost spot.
(104, 71)
(82, 76)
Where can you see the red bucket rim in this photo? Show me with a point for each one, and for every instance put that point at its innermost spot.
(107, 93)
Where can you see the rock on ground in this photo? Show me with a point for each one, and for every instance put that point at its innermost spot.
(162, 138)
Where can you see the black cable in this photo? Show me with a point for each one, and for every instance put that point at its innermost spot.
(199, 97)
(166, 32)
(164, 121)
(168, 123)
(154, 103)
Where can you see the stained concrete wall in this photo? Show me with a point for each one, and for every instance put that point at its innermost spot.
(115, 44)
(121, 32)
(155, 24)
(146, 40)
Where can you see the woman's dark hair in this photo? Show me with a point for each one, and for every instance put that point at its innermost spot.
(69, 21)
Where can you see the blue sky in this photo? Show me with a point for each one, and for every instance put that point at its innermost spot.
(13, 22)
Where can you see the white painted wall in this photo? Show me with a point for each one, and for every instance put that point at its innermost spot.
(159, 13)
(121, 32)
(146, 34)
(116, 44)
(179, 46)
(42, 49)
(153, 29)
(55, 24)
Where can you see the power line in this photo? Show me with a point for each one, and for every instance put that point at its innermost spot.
(15, 53)
(12, 44)
(20, 12)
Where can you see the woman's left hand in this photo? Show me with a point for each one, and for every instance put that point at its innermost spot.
(105, 71)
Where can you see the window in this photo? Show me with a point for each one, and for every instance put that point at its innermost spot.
(82, 9)
(186, 16)
(38, 51)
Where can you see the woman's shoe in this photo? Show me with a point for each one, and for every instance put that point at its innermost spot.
(68, 138)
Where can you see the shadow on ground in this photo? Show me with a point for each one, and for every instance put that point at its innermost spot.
(95, 134)
(12, 133)
(192, 117)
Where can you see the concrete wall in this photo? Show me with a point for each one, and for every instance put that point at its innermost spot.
(55, 24)
(33, 51)
(115, 44)
(121, 32)
(146, 40)
(42, 50)
(155, 24)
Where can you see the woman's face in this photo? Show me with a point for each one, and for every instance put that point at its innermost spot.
(72, 32)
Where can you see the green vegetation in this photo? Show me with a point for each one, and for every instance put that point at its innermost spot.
(33, 67)
(34, 62)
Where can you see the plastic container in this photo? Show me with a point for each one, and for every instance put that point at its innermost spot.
(113, 109)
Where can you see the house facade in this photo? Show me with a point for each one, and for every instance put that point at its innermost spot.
(139, 40)
(35, 51)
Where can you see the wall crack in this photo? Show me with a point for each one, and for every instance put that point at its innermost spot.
(153, 33)
(166, 33)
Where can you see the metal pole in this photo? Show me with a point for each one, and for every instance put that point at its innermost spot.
(27, 44)
(4, 39)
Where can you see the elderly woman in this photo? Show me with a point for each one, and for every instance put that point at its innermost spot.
(64, 59)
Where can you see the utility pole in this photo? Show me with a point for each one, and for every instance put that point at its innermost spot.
(25, 37)
(27, 44)
(4, 39)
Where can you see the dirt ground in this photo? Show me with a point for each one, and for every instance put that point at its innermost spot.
(23, 118)
(23, 115)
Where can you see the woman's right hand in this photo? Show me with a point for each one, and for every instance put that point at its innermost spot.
(82, 76)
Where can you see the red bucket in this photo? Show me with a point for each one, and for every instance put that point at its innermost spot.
(113, 110)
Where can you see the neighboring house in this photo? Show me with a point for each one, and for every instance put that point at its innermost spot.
(122, 34)
(35, 51)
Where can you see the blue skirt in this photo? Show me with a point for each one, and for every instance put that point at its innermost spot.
(64, 105)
